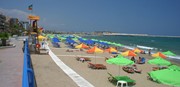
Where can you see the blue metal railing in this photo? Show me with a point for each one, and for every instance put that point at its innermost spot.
(28, 79)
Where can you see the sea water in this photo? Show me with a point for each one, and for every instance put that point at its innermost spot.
(156, 44)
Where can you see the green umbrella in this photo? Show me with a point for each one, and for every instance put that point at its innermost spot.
(169, 53)
(174, 67)
(75, 39)
(120, 60)
(51, 36)
(159, 61)
(166, 76)
(119, 45)
(94, 39)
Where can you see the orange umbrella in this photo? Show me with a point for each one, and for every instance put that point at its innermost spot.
(137, 50)
(111, 49)
(128, 53)
(82, 46)
(95, 50)
(159, 54)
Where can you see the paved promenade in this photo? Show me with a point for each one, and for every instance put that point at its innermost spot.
(11, 65)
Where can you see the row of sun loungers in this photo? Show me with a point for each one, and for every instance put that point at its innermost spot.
(111, 78)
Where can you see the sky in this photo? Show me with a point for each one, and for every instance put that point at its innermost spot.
(155, 17)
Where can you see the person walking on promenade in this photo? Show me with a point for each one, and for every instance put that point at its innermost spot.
(23, 45)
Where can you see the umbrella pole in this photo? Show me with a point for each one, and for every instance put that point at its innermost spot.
(95, 58)
(119, 70)
(81, 53)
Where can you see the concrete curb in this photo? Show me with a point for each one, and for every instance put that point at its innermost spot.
(14, 45)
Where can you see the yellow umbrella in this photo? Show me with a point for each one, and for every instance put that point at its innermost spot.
(137, 50)
(128, 53)
(111, 49)
(159, 54)
(82, 46)
(40, 37)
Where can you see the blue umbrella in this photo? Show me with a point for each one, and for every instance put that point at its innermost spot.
(55, 40)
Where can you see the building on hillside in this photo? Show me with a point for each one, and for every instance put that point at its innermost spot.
(13, 22)
(2, 22)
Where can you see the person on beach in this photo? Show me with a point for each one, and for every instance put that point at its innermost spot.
(139, 61)
(133, 59)
(149, 51)
(43, 44)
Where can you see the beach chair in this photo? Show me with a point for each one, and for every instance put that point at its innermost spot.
(135, 69)
(96, 66)
(115, 79)
(158, 68)
(69, 50)
(128, 69)
(85, 59)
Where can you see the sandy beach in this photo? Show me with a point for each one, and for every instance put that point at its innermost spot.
(98, 78)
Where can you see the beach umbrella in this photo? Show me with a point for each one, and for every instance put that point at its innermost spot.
(166, 76)
(120, 45)
(174, 67)
(89, 42)
(128, 53)
(63, 38)
(75, 39)
(104, 44)
(82, 46)
(159, 61)
(159, 54)
(169, 53)
(95, 50)
(40, 37)
(120, 61)
(137, 50)
(111, 49)
(55, 39)
(69, 41)
(51, 36)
